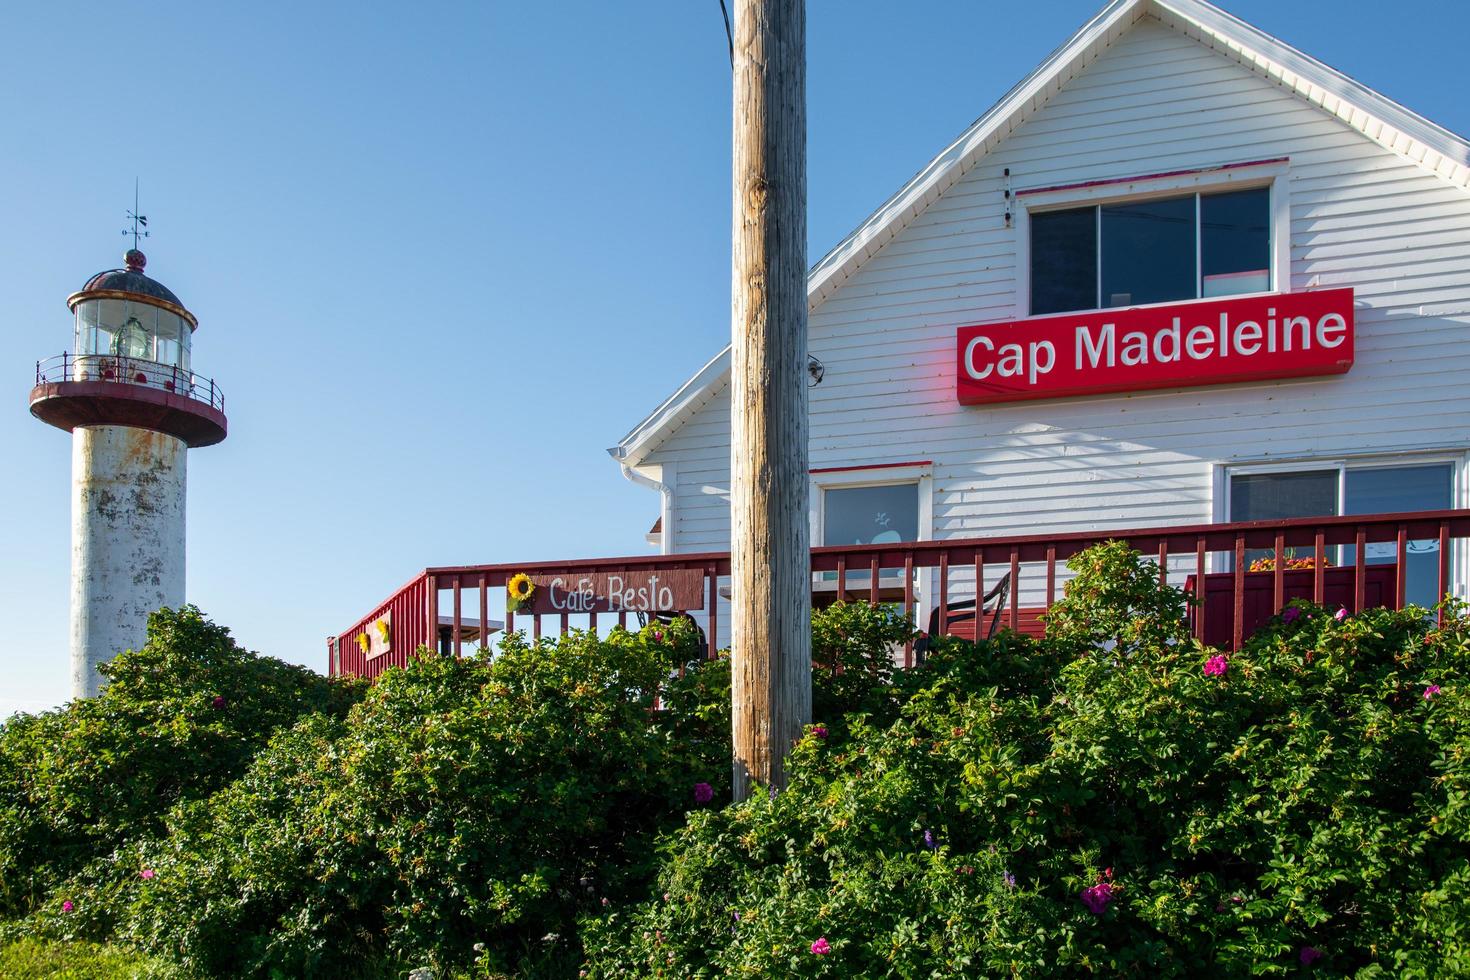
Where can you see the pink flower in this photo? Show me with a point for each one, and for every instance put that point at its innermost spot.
(1309, 955)
(1097, 897)
(658, 636)
(219, 701)
(1217, 665)
(1290, 614)
(821, 947)
(67, 906)
(819, 731)
(1340, 615)
(1430, 692)
(703, 792)
(147, 874)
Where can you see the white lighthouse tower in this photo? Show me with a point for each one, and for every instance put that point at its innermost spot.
(134, 407)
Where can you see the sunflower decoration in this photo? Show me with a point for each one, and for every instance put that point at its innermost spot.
(384, 630)
(363, 642)
(518, 591)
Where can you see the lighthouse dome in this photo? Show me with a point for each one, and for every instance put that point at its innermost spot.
(131, 280)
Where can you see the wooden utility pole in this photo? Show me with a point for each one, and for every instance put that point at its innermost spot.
(770, 557)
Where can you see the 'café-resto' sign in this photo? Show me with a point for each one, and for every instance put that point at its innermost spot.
(1205, 342)
(645, 591)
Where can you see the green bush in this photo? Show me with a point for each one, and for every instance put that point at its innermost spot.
(178, 720)
(479, 801)
(1114, 800)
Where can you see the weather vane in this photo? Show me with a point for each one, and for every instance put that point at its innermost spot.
(137, 218)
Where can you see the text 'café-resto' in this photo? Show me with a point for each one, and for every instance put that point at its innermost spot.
(1182, 276)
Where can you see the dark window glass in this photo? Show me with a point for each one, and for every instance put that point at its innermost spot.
(1235, 242)
(1148, 251)
(1278, 496)
(1394, 490)
(871, 515)
(1064, 260)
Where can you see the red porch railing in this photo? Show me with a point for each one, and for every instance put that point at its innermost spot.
(1208, 559)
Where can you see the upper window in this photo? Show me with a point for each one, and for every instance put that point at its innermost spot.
(1151, 251)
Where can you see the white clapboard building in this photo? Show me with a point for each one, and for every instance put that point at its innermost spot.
(1181, 274)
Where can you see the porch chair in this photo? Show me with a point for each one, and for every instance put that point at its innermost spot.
(993, 602)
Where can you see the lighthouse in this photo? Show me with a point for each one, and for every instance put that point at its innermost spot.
(128, 394)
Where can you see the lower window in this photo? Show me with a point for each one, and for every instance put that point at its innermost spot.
(885, 513)
(870, 515)
(1365, 489)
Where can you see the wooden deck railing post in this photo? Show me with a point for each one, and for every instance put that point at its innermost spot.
(1401, 552)
(484, 614)
(714, 611)
(1199, 588)
(1444, 570)
(908, 605)
(1319, 574)
(944, 593)
(1015, 589)
(456, 630)
(979, 584)
(1278, 574)
(1360, 571)
(431, 613)
(1237, 629)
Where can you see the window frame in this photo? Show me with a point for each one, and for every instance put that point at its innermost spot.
(1458, 462)
(877, 475)
(1270, 174)
(881, 475)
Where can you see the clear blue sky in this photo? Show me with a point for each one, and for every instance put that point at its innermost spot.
(444, 254)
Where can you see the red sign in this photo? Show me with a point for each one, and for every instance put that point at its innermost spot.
(646, 591)
(1204, 342)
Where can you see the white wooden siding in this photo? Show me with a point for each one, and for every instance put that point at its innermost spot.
(1361, 216)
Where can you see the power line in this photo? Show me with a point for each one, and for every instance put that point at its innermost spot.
(729, 38)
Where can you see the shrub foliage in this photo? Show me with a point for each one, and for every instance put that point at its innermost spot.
(1114, 799)
(179, 719)
(1101, 803)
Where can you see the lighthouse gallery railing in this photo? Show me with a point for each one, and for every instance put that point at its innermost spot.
(130, 370)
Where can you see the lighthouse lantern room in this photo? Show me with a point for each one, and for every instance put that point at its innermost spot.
(128, 395)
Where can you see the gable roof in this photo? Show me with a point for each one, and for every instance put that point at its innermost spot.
(1377, 117)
